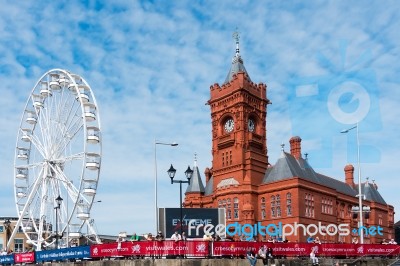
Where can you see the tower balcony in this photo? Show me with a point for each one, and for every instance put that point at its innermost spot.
(226, 141)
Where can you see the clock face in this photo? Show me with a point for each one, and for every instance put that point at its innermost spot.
(229, 125)
(251, 125)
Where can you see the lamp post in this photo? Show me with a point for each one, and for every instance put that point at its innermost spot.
(188, 173)
(173, 144)
(7, 225)
(360, 207)
(58, 201)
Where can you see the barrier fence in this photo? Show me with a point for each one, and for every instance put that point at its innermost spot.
(199, 249)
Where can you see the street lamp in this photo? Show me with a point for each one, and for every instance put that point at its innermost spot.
(360, 207)
(7, 225)
(58, 201)
(188, 173)
(173, 144)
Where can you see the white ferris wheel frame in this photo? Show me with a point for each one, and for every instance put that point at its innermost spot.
(59, 133)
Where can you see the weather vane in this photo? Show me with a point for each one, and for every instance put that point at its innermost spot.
(236, 36)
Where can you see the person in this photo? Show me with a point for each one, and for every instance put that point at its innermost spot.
(384, 242)
(119, 242)
(176, 237)
(251, 257)
(270, 239)
(159, 236)
(270, 255)
(354, 240)
(184, 238)
(149, 237)
(317, 241)
(392, 242)
(134, 237)
(313, 256)
(4, 252)
(310, 239)
(217, 238)
(207, 237)
(262, 253)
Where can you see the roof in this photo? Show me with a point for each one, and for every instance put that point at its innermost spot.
(288, 167)
(370, 193)
(237, 63)
(209, 187)
(195, 185)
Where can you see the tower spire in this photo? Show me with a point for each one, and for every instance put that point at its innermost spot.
(236, 36)
(237, 61)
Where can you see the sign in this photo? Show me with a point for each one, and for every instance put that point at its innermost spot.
(199, 217)
(7, 259)
(63, 254)
(28, 257)
(152, 248)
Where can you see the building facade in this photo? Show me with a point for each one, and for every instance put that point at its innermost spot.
(251, 189)
(7, 225)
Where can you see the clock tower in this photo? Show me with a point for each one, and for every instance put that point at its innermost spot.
(238, 118)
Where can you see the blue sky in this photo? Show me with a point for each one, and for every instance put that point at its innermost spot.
(327, 65)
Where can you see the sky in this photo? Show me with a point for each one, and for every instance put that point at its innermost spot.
(328, 65)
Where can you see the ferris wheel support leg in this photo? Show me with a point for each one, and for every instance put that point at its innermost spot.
(22, 216)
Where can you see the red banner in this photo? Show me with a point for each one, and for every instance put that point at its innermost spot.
(236, 249)
(303, 249)
(28, 257)
(152, 248)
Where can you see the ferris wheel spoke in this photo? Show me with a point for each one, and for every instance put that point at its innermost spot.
(38, 145)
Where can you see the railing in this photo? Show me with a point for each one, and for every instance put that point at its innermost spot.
(200, 249)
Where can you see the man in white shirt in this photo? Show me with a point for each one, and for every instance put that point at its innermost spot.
(176, 236)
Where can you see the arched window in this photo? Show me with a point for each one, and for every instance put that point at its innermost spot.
(228, 209)
(289, 204)
(235, 208)
(263, 213)
(273, 214)
(278, 211)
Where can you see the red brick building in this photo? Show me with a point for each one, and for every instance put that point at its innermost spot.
(252, 189)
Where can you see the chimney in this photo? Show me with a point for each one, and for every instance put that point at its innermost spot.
(295, 147)
(349, 175)
(208, 174)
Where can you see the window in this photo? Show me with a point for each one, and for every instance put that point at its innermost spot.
(289, 204)
(1, 229)
(228, 211)
(263, 213)
(18, 245)
(236, 208)
(327, 206)
(309, 203)
(278, 211)
(272, 206)
(276, 206)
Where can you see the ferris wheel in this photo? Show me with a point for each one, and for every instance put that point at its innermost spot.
(57, 161)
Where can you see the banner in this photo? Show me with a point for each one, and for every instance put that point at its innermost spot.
(28, 257)
(152, 249)
(7, 259)
(63, 254)
(237, 249)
